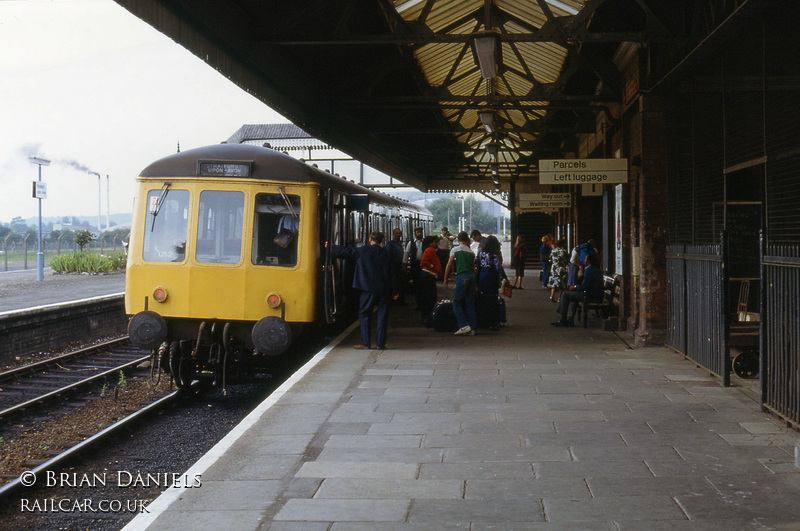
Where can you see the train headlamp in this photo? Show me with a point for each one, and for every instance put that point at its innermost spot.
(159, 294)
(273, 300)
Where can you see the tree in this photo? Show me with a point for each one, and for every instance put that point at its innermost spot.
(18, 225)
(83, 237)
(481, 219)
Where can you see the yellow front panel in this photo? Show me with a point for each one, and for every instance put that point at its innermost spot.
(225, 291)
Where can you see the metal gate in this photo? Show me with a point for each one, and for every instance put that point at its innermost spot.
(780, 331)
(696, 303)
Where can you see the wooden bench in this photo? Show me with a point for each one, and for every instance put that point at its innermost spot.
(612, 291)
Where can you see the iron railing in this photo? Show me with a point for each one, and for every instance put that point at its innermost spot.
(697, 302)
(780, 331)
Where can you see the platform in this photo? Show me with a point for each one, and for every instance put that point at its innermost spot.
(20, 290)
(532, 427)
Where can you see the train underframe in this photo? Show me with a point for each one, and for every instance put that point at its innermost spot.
(220, 352)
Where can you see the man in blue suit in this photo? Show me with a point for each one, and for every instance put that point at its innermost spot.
(372, 278)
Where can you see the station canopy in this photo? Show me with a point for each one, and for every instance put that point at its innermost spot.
(441, 94)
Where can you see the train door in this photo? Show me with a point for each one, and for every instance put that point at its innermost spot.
(334, 230)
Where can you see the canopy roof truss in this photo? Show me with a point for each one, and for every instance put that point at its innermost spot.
(395, 83)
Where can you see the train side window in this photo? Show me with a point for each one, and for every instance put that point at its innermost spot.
(276, 227)
(356, 226)
(219, 227)
(166, 225)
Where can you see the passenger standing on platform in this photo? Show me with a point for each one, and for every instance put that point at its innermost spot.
(559, 262)
(518, 261)
(430, 268)
(371, 277)
(574, 267)
(395, 249)
(411, 260)
(544, 258)
(590, 287)
(445, 244)
(489, 265)
(462, 261)
(478, 241)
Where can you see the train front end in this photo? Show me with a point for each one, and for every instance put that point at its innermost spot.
(222, 262)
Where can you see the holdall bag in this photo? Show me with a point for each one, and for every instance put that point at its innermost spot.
(444, 320)
(283, 239)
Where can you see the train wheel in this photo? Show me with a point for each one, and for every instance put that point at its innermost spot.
(174, 362)
(186, 370)
(163, 357)
(181, 365)
(745, 364)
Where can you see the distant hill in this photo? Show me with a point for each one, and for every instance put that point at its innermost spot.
(114, 220)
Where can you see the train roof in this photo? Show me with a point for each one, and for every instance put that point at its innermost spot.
(256, 162)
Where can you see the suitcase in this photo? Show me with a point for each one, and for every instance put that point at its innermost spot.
(444, 320)
(483, 309)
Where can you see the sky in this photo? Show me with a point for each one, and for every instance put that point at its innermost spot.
(92, 88)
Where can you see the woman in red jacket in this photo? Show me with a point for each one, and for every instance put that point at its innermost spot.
(430, 270)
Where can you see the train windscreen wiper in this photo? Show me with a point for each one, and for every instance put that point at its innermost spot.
(159, 204)
(288, 203)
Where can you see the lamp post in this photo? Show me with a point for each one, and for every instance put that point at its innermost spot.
(39, 193)
(108, 201)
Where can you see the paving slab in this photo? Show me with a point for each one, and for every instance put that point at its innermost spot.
(528, 428)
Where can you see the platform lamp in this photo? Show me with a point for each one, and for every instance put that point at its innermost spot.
(487, 117)
(492, 149)
(487, 52)
(39, 192)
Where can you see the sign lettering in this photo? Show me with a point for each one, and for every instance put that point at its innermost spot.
(583, 171)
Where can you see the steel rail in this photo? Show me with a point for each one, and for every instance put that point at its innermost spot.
(98, 437)
(13, 409)
(58, 359)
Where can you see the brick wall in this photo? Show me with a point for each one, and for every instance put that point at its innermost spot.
(51, 327)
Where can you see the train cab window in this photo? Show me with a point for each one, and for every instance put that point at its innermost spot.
(166, 225)
(219, 227)
(276, 226)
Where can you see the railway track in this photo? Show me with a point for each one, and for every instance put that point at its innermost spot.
(28, 386)
(166, 434)
(29, 390)
(26, 478)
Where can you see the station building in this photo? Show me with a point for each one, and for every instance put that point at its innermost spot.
(701, 99)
